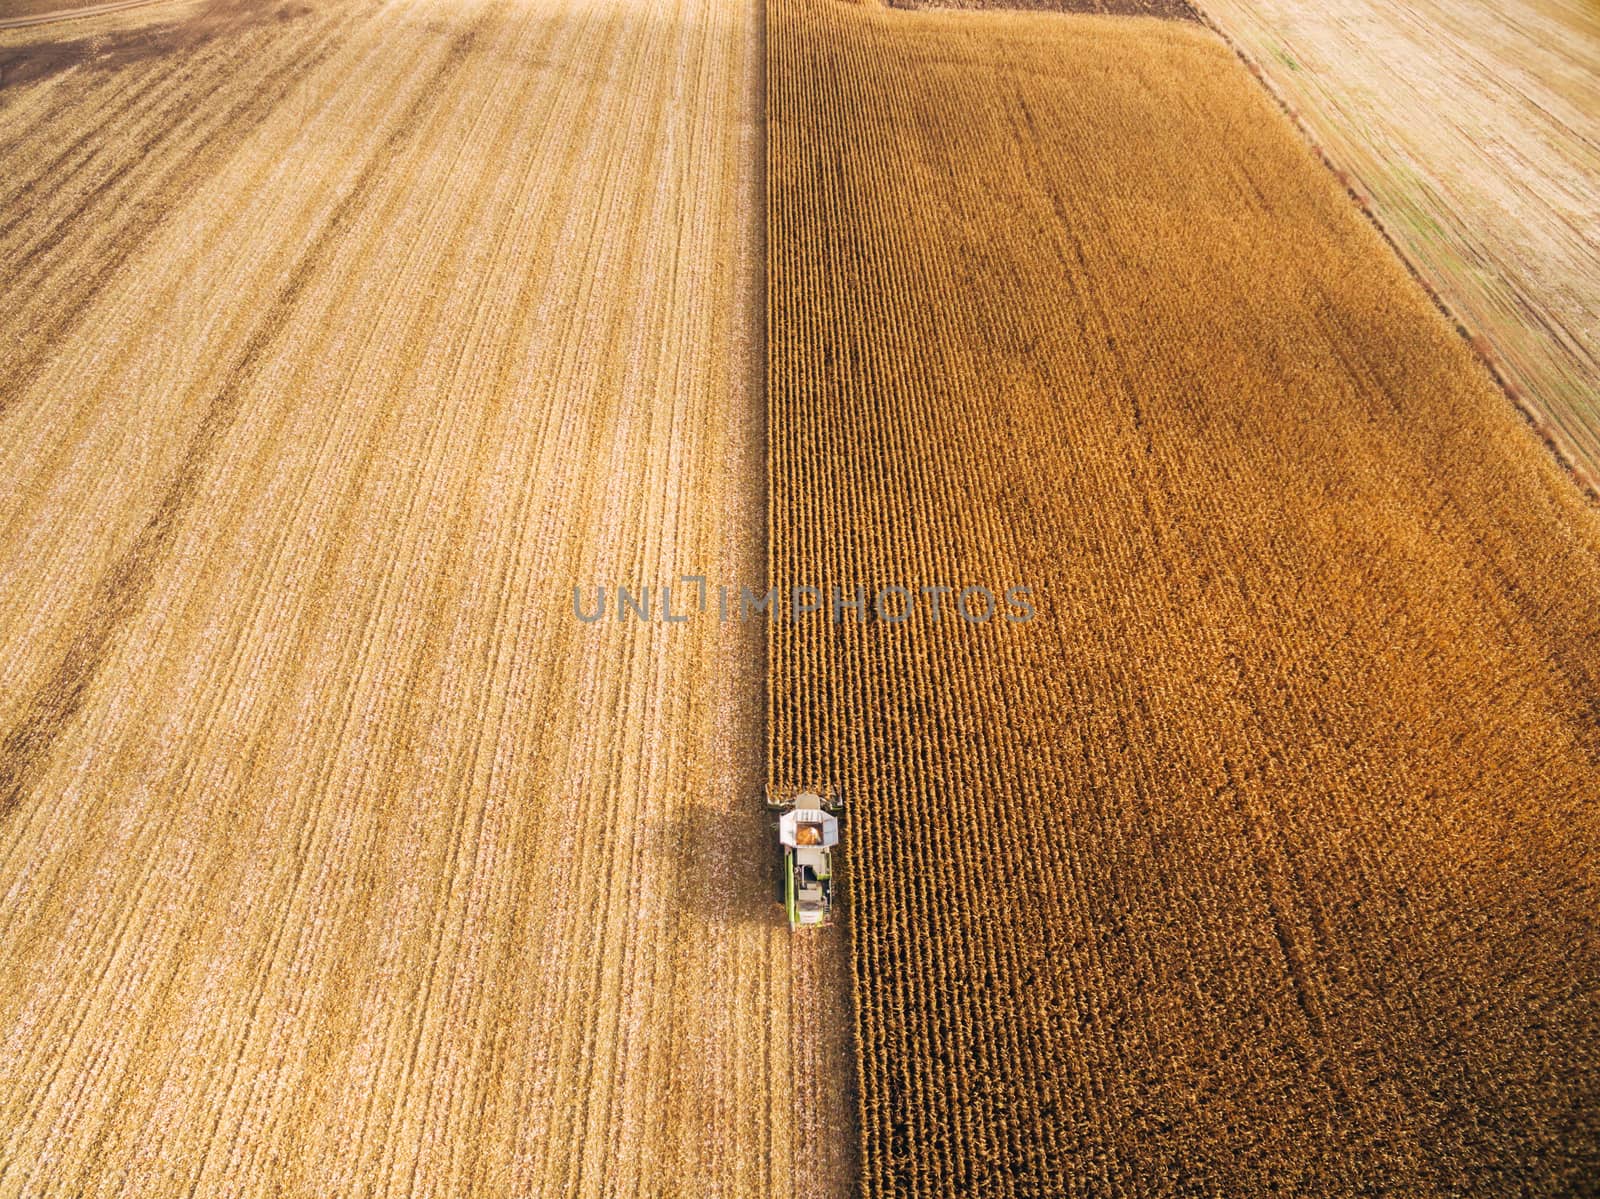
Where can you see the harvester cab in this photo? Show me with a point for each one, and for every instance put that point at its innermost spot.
(808, 833)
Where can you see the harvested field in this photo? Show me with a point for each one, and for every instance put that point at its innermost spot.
(336, 857)
(1473, 133)
(1265, 857)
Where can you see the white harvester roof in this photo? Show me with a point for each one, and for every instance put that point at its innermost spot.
(797, 828)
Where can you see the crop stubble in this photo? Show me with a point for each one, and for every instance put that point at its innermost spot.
(1267, 853)
(337, 858)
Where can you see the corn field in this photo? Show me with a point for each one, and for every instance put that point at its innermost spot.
(1264, 856)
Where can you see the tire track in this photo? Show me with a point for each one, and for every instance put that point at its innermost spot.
(72, 14)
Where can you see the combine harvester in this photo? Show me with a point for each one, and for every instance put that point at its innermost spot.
(808, 832)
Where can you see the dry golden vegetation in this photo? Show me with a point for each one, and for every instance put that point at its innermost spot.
(1474, 134)
(336, 858)
(1266, 856)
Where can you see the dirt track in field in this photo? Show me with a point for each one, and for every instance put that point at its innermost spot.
(336, 856)
(1474, 135)
(1266, 858)
(21, 13)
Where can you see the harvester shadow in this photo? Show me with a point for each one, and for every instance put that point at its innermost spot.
(727, 864)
